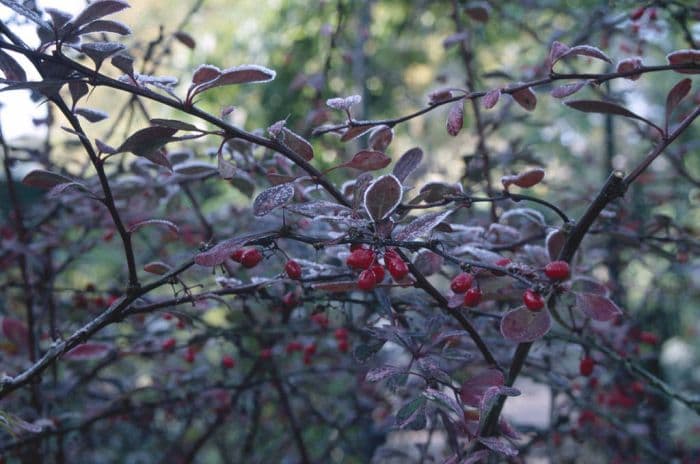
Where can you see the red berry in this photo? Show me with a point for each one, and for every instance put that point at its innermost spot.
(190, 355)
(396, 266)
(321, 319)
(289, 300)
(310, 349)
(636, 14)
(294, 346)
(251, 257)
(461, 282)
(168, 316)
(503, 262)
(360, 259)
(180, 324)
(557, 270)
(341, 333)
(266, 353)
(472, 297)
(293, 269)
(168, 344)
(533, 300)
(343, 346)
(586, 366)
(228, 362)
(648, 338)
(367, 280)
(378, 272)
(237, 254)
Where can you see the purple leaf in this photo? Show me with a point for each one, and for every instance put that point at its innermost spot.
(380, 138)
(455, 118)
(444, 401)
(630, 64)
(491, 97)
(155, 222)
(564, 91)
(596, 106)
(689, 57)
(475, 457)
(272, 198)
(78, 89)
(44, 179)
(526, 179)
(91, 114)
(105, 25)
(157, 268)
(525, 98)
(205, 73)
(88, 351)
(28, 13)
(185, 39)
(587, 50)
(354, 132)
(297, 144)
(409, 411)
(380, 373)
(382, 197)
(522, 325)
(147, 143)
(97, 9)
(422, 225)
(491, 395)
(408, 163)
(439, 96)
(557, 51)
(174, 124)
(473, 389)
(343, 104)
(99, 51)
(498, 445)
(597, 307)
(124, 63)
(227, 170)
(366, 160)
(12, 70)
(674, 97)
(194, 168)
(555, 242)
(313, 209)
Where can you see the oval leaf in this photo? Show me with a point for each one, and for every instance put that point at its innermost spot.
(628, 65)
(675, 95)
(597, 307)
(156, 222)
(473, 389)
(382, 197)
(587, 50)
(525, 98)
(44, 179)
(297, 144)
(491, 98)
(597, 106)
(422, 225)
(354, 132)
(690, 57)
(157, 268)
(564, 91)
(522, 325)
(408, 163)
(380, 138)
(367, 160)
(455, 118)
(12, 70)
(272, 198)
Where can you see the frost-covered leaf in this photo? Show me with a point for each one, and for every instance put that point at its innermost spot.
(222, 250)
(44, 179)
(428, 263)
(194, 168)
(380, 373)
(208, 77)
(297, 144)
(689, 57)
(522, 325)
(174, 124)
(157, 268)
(445, 401)
(148, 142)
(409, 411)
(155, 222)
(354, 132)
(382, 197)
(555, 242)
(598, 106)
(105, 25)
(343, 103)
(499, 445)
(313, 209)
(380, 138)
(472, 390)
(597, 307)
(586, 50)
(525, 98)
(367, 160)
(96, 10)
(100, 51)
(630, 64)
(455, 118)
(490, 99)
(422, 225)
(272, 198)
(91, 115)
(674, 97)
(408, 163)
(566, 90)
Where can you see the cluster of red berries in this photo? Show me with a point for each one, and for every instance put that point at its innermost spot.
(341, 336)
(365, 259)
(248, 257)
(462, 283)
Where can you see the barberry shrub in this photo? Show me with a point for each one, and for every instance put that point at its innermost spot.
(287, 261)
